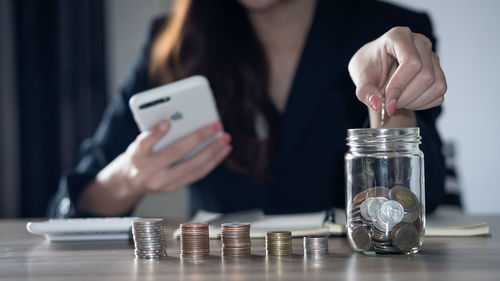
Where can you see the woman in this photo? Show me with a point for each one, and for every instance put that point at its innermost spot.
(279, 72)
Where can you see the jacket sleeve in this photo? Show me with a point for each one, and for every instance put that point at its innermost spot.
(115, 132)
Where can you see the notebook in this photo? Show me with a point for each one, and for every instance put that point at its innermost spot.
(317, 223)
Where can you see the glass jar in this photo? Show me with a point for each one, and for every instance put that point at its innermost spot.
(385, 200)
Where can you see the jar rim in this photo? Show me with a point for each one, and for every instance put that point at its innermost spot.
(368, 136)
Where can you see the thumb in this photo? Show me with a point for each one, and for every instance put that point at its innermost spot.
(147, 139)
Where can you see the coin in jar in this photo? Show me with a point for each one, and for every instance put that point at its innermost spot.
(370, 206)
(405, 236)
(380, 236)
(361, 238)
(391, 212)
(378, 191)
(418, 224)
(410, 216)
(405, 197)
(359, 198)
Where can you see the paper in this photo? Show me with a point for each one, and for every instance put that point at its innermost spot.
(313, 224)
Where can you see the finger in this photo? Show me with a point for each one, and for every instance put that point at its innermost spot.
(159, 181)
(367, 90)
(426, 76)
(194, 164)
(400, 45)
(180, 148)
(168, 178)
(438, 101)
(437, 89)
(147, 139)
(202, 170)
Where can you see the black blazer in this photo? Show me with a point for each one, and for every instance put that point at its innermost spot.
(309, 166)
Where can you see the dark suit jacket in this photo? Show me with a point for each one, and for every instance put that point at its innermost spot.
(309, 166)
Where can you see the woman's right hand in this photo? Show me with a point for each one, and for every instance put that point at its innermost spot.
(138, 171)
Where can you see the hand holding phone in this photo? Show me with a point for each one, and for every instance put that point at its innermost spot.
(156, 160)
(187, 103)
(193, 127)
(154, 172)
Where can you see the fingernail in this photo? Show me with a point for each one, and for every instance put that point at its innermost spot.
(391, 107)
(163, 126)
(227, 149)
(225, 139)
(374, 102)
(216, 127)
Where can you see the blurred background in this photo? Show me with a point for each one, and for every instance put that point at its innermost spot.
(61, 61)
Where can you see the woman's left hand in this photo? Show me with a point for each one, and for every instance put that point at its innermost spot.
(401, 65)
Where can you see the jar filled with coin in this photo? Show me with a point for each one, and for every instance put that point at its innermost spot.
(385, 206)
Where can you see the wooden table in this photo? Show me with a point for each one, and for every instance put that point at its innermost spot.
(24, 256)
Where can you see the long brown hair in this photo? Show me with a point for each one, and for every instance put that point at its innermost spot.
(218, 41)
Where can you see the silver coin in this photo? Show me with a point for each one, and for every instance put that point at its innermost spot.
(370, 206)
(410, 216)
(381, 225)
(315, 245)
(375, 205)
(147, 231)
(364, 209)
(391, 212)
(380, 236)
(149, 238)
(148, 235)
(150, 243)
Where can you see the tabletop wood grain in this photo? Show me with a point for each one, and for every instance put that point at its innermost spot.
(24, 256)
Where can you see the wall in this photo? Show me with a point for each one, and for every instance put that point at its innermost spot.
(9, 162)
(468, 34)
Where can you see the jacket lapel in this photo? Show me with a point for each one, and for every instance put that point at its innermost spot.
(321, 62)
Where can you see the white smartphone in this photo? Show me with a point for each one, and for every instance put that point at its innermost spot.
(188, 104)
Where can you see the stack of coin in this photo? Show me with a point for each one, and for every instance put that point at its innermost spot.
(315, 245)
(235, 238)
(149, 239)
(385, 220)
(279, 243)
(194, 240)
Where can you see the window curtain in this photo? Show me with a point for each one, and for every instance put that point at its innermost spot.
(9, 193)
(58, 93)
